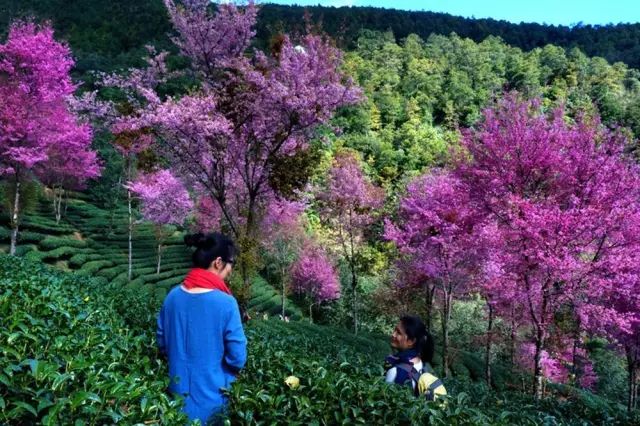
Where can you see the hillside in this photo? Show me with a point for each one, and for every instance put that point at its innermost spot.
(114, 33)
(75, 349)
(486, 185)
(93, 242)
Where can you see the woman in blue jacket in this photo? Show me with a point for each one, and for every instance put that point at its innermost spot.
(200, 330)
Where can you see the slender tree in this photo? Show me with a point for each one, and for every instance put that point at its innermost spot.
(314, 276)
(442, 233)
(165, 201)
(250, 110)
(348, 203)
(34, 86)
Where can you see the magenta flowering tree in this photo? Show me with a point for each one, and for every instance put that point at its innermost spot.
(165, 201)
(130, 144)
(348, 204)
(70, 163)
(34, 116)
(207, 215)
(283, 240)
(567, 363)
(442, 234)
(564, 201)
(618, 318)
(314, 276)
(251, 110)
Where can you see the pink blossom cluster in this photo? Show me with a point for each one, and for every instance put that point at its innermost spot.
(250, 108)
(314, 275)
(34, 117)
(539, 215)
(349, 197)
(164, 198)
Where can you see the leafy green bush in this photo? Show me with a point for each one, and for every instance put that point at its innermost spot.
(55, 254)
(68, 356)
(92, 267)
(50, 243)
(77, 260)
(341, 383)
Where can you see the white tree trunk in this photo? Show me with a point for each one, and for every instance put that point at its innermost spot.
(284, 290)
(14, 219)
(130, 236)
(159, 258)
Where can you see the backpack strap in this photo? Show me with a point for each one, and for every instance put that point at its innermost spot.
(427, 368)
(413, 374)
(430, 393)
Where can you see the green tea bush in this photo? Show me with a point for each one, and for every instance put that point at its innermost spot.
(111, 273)
(52, 255)
(50, 243)
(92, 267)
(77, 260)
(23, 249)
(68, 356)
(341, 383)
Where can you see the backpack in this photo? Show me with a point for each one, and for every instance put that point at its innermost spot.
(425, 382)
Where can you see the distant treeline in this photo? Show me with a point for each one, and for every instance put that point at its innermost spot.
(111, 34)
(612, 42)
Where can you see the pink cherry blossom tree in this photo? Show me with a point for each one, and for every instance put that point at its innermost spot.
(34, 86)
(348, 203)
(165, 201)
(564, 201)
(71, 161)
(283, 240)
(314, 276)
(130, 144)
(251, 110)
(439, 229)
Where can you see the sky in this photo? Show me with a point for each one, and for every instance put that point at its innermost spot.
(553, 12)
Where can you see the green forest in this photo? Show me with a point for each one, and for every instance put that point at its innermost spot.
(400, 157)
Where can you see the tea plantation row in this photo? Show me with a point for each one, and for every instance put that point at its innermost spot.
(94, 242)
(77, 351)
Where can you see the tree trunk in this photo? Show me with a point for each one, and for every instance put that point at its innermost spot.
(634, 389)
(130, 271)
(429, 301)
(354, 286)
(540, 342)
(53, 190)
(446, 316)
(311, 313)
(66, 201)
(57, 202)
(284, 289)
(512, 340)
(487, 359)
(537, 372)
(632, 370)
(14, 218)
(631, 396)
(159, 258)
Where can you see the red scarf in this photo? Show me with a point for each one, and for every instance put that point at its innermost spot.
(202, 278)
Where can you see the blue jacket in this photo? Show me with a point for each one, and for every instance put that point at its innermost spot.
(202, 336)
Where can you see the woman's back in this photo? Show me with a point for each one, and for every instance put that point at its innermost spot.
(202, 336)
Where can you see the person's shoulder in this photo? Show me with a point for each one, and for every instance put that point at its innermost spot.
(222, 298)
(173, 293)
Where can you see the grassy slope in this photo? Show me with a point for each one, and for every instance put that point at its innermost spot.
(93, 242)
(321, 356)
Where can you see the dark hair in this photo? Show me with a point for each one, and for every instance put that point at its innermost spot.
(209, 247)
(415, 329)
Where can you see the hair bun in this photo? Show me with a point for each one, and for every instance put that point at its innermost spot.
(200, 240)
(193, 240)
